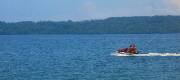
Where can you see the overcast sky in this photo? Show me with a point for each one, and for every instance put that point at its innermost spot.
(77, 10)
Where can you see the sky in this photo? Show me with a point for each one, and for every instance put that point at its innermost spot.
(77, 10)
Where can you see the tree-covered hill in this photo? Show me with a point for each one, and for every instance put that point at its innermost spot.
(113, 25)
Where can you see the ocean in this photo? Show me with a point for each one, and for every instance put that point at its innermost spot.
(88, 57)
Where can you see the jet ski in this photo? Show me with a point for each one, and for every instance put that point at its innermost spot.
(128, 51)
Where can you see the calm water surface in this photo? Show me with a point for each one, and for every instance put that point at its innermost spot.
(87, 57)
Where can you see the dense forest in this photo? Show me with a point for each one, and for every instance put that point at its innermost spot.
(113, 25)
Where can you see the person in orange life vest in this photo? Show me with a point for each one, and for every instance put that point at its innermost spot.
(132, 49)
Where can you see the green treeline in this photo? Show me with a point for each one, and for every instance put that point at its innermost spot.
(113, 25)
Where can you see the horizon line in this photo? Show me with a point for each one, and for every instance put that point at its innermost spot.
(85, 19)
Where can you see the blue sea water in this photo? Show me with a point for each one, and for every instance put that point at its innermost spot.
(87, 57)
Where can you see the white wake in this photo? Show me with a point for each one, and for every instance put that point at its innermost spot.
(148, 54)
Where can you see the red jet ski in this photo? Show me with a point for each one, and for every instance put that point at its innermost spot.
(129, 51)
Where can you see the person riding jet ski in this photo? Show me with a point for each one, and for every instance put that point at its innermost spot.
(131, 50)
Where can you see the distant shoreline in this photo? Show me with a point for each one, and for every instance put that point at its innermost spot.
(112, 25)
(88, 34)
